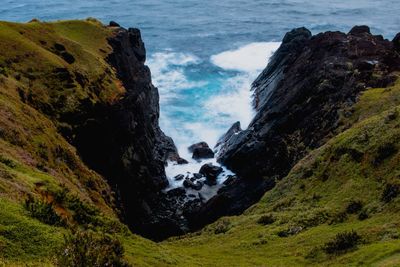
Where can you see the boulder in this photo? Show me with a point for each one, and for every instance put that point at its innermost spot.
(179, 177)
(198, 175)
(198, 185)
(181, 161)
(194, 185)
(188, 183)
(201, 151)
(211, 172)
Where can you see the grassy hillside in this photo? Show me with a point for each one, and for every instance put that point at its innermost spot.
(350, 184)
(46, 70)
(339, 206)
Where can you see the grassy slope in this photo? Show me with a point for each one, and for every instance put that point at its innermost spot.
(353, 166)
(311, 200)
(30, 88)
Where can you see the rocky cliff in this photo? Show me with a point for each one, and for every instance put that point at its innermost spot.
(124, 142)
(309, 85)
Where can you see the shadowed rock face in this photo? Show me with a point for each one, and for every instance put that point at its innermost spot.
(123, 141)
(298, 99)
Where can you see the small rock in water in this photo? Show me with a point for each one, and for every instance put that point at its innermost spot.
(201, 151)
(211, 172)
(187, 183)
(181, 161)
(179, 177)
(198, 185)
(190, 184)
(197, 175)
(229, 180)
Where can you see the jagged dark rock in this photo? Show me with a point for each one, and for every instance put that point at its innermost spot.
(231, 133)
(181, 161)
(396, 42)
(179, 177)
(113, 24)
(201, 151)
(124, 142)
(309, 81)
(211, 173)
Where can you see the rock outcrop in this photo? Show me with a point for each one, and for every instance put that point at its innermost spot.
(310, 82)
(124, 142)
(201, 151)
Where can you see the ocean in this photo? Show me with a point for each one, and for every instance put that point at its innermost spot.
(204, 54)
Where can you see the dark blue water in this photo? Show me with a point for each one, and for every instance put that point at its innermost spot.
(204, 54)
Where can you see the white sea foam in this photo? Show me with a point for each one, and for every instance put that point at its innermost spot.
(249, 58)
(168, 72)
(217, 112)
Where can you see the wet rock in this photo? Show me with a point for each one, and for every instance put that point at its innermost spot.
(197, 175)
(179, 177)
(188, 183)
(198, 185)
(235, 128)
(201, 151)
(229, 180)
(211, 173)
(181, 161)
(191, 184)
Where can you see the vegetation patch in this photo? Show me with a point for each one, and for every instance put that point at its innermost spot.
(86, 248)
(43, 211)
(342, 242)
(266, 219)
(390, 192)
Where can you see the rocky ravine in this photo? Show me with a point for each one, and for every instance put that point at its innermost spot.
(310, 82)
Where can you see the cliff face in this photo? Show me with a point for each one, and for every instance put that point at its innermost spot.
(310, 83)
(133, 149)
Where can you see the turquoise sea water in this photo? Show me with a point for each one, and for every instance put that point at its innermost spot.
(205, 54)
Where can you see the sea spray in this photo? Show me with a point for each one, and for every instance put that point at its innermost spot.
(200, 98)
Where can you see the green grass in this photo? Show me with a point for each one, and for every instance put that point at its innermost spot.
(25, 239)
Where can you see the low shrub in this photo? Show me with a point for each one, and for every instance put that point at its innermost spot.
(222, 226)
(354, 206)
(83, 213)
(342, 243)
(339, 218)
(390, 192)
(294, 230)
(363, 215)
(8, 162)
(43, 211)
(91, 249)
(266, 219)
